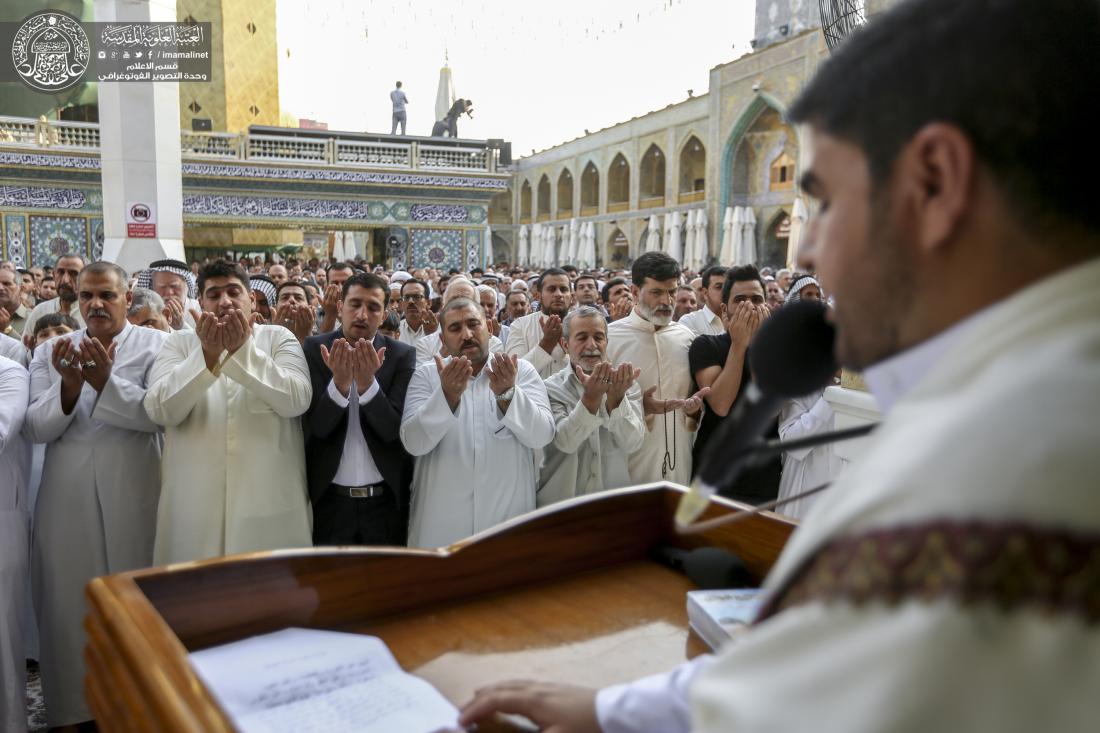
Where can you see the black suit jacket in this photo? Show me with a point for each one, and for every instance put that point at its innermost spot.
(326, 423)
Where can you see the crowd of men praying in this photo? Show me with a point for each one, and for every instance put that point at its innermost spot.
(190, 411)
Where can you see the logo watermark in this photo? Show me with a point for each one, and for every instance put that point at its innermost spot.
(52, 51)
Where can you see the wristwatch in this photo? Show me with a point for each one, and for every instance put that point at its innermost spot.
(507, 395)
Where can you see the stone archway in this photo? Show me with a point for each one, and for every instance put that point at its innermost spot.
(738, 173)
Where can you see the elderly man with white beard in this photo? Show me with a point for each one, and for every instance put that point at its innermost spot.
(598, 413)
(649, 339)
(473, 422)
(97, 503)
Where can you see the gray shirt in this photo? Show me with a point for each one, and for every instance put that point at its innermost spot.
(399, 100)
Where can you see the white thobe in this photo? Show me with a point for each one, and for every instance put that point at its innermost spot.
(589, 452)
(806, 468)
(662, 355)
(96, 505)
(954, 448)
(15, 541)
(432, 344)
(234, 457)
(524, 335)
(51, 306)
(13, 349)
(474, 467)
(703, 322)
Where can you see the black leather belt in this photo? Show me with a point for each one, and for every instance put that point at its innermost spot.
(372, 491)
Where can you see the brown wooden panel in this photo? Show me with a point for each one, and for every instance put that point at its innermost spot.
(565, 593)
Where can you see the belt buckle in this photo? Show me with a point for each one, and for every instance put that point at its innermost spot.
(360, 493)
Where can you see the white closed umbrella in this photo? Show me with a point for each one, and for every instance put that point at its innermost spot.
(738, 236)
(702, 245)
(674, 247)
(729, 231)
(536, 246)
(523, 254)
(589, 256)
(551, 247)
(338, 247)
(574, 240)
(690, 240)
(563, 247)
(653, 236)
(798, 218)
(748, 237)
(487, 253)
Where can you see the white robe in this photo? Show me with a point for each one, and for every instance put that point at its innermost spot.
(234, 457)
(806, 468)
(524, 335)
(13, 349)
(662, 353)
(15, 542)
(589, 452)
(473, 467)
(96, 504)
(999, 433)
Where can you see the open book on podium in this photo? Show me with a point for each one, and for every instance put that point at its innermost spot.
(567, 593)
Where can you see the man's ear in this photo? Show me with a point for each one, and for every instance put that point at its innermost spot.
(938, 166)
(635, 292)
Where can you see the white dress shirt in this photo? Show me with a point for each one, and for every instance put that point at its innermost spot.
(357, 466)
(703, 322)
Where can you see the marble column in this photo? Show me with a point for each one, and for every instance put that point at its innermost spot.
(139, 132)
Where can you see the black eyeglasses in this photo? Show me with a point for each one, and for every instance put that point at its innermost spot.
(412, 297)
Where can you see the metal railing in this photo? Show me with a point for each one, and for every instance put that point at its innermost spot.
(404, 154)
(42, 133)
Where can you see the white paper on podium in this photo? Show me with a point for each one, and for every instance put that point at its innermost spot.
(306, 680)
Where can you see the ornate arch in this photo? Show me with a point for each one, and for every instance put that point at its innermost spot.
(760, 102)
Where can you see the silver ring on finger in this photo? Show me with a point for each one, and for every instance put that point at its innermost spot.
(89, 364)
(65, 363)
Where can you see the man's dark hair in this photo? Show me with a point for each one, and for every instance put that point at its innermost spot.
(712, 271)
(655, 266)
(514, 292)
(605, 294)
(741, 274)
(222, 268)
(370, 281)
(392, 321)
(549, 272)
(398, 85)
(586, 276)
(477, 271)
(338, 266)
(414, 281)
(45, 278)
(569, 268)
(999, 71)
(293, 284)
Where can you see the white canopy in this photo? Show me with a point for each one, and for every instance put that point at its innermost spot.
(653, 237)
(523, 255)
(673, 246)
(730, 231)
(798, 218)
(747, 254)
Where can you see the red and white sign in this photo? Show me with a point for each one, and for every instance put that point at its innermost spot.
(141, 220)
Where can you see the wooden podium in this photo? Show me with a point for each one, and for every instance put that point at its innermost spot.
(567, 593)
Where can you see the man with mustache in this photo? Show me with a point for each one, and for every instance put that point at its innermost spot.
(536, 337)
(13, 312)
(433, 343)
(597, 411)
(358, 470)
(229, 394)
(65, 272)
(649, 339)
(97, 501)
(474, 422)
(419, 322)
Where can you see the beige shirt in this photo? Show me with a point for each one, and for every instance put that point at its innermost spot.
(523, 340)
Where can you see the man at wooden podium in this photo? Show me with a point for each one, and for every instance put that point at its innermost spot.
(948, 581)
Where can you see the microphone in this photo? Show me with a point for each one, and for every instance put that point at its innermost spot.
(708, 567)
(791, 356)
